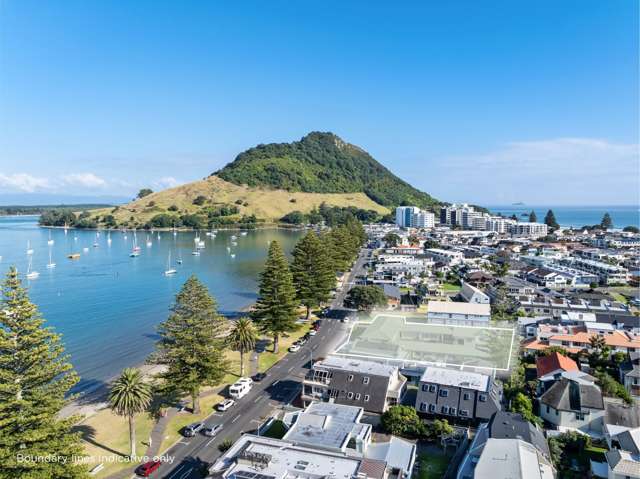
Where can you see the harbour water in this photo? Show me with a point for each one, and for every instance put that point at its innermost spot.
(575, 216)
(107, 304)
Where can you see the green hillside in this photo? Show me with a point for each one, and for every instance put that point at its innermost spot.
(322, 163)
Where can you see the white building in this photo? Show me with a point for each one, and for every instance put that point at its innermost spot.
(462, 312)
(529, 230)
(471, 294)
(414, 217)
(447, 256)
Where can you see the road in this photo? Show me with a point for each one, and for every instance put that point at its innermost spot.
(281, 386)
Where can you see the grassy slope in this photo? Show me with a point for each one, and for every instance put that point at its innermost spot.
(270, 205)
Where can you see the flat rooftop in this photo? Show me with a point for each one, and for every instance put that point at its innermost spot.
(357, 365)
(453, 377)
(409, 340)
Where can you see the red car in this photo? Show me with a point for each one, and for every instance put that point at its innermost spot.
(146, 469)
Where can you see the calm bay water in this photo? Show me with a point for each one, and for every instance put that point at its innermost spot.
(576, 216)
(106, 304)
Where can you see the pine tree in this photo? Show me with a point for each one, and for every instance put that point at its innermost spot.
(606, 222)
(550, 221)
(35, 376)
(275, 310)
(243, 338)
(190, 343)
(313, 276)
(129, 396)
(533, 218)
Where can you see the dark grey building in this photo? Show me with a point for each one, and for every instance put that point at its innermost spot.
(456, 395)
(370, 385)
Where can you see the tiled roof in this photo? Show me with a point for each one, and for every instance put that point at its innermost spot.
(554, 362)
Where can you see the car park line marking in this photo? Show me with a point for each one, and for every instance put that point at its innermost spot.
(291, 369)
(257, 399)
(236, 418)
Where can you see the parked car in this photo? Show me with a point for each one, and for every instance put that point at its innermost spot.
(313, 332)
(240, 389)
(146, 469)
(258, 377)
(192, 429)
(211, 431)
(294, 348)
(245, 380)
(224, 405)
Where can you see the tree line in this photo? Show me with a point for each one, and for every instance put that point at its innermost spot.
(36, 375)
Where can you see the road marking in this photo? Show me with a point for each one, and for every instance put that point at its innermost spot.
(186, 473)
(257, 399)
(276, 382)
(236, 418)
(210, 441)
(291, 369)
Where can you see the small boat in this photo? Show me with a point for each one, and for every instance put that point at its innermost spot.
(134, 254)
(234, 243)
(109, 238)
(29, 248)
(50, 264)
(228, 250)
(234, 237)
(149, 243)
(208, 233)
(50, 241)
(175, 233)
(233, 255)
(73, 255)
(30, 273)
(179, 259)
(75, 238)
(86, 250)
(195, 253)
(169, 271)
(243, 233)
(158, 235)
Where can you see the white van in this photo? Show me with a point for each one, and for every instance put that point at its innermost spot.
(239, 390)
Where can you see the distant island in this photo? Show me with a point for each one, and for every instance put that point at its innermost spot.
(305, 181)
(10, 210)
(519, 203)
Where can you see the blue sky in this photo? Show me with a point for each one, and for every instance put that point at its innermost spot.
(490, 102)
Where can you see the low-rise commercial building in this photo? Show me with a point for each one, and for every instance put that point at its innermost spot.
(463, 313)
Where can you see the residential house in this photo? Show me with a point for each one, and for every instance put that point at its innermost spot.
(371, 385)
(550, 367)
(447, 256)
(337, 428)
(630, 373)
(573, 404)
(471, 294)
(511, 459)
(504, 425)
(458, 395)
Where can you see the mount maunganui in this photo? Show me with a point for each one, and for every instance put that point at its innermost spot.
(321, 163)
(267, 182)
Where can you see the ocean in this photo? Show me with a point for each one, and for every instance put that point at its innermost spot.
(106, 305)
(576, 216)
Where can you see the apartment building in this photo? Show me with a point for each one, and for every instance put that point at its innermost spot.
(458, 395)
(367, 384)
(414, 217)
(529, 230)
(607, 273)
(447, 256)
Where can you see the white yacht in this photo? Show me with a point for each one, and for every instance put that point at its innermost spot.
(169, 271)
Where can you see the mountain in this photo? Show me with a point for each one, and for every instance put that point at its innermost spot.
(322, 163)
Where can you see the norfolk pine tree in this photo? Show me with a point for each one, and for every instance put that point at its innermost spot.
(191, 344)
(313, 276)
(275, 310)
(35, 376)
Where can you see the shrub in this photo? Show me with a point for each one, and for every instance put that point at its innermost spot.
(173, 208)
(200, 200)
(225, 445)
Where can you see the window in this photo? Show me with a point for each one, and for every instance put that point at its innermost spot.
(444, 409)
(349, 395)
(466, 396)
(366, 398)
(580, 416)
(452, 411)
(482, 398)
(547, 409)
(425, 387)
(357, 396)
(350, 377)
(444, 393)
(432, 388)
(423, 406)
(464, 412)
(432, 408)
(365, 380)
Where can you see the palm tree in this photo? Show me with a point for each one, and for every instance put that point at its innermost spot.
(597, 342)
(243, 338)
(129, 396)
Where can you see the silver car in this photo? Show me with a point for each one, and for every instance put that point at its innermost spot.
(212, 430)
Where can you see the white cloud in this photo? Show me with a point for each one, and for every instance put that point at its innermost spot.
(86, 180)
(24, 182)
(563, 170)
(166, 182)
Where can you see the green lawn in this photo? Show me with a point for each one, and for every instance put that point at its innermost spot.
(450, 287)
(432, 466)
(268, 358)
